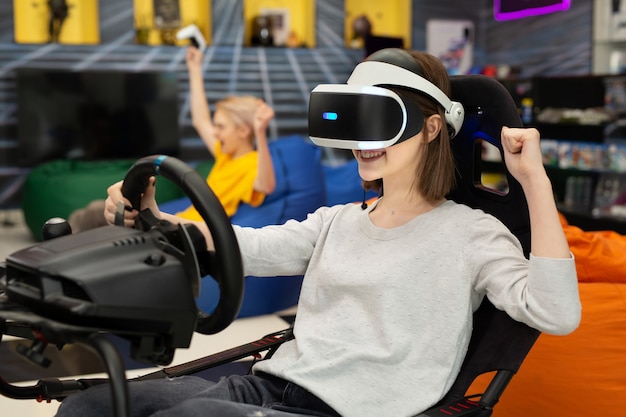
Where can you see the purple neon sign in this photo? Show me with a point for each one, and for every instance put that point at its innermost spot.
(517, 9)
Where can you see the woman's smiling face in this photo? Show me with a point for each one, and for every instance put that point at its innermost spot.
(398, 164)
(399, 159)
(228, 133)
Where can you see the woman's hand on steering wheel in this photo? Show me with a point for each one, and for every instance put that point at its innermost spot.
(115, 196)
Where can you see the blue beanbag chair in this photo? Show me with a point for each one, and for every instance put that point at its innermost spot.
(300, 190)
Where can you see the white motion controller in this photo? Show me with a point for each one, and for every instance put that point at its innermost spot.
(194, 34)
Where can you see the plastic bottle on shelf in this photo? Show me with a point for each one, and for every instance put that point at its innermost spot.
(570, 192)
(527, 110)
(585, 194)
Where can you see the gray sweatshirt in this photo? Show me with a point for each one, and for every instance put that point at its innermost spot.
(385, 315)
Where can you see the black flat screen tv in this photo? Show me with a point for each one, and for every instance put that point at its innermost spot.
(95, 115)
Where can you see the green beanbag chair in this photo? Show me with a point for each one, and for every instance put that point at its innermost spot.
(57, 188)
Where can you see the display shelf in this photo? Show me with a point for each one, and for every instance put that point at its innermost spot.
(76, 24)
(571, 131)
(279, 23)
(546, 103)
(156, 22)
(588, 221)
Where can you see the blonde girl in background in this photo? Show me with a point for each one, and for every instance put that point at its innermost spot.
(236, 136)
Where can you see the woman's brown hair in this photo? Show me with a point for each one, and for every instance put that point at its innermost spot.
(435, 176)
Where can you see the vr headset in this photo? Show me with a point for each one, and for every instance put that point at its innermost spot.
(362, 115)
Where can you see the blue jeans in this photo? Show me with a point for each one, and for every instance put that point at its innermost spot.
(189, 396)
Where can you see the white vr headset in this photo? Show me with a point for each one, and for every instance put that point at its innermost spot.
(362, 115)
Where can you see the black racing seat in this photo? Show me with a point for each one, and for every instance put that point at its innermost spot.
(498, 344)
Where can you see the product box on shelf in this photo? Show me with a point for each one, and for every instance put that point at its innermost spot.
(584, 156)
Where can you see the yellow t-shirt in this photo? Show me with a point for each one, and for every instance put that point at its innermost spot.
(232, 181)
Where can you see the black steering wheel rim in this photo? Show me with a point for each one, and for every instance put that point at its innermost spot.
(228, 256)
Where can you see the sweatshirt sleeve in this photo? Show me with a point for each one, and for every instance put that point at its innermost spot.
(280, 250)
(541, 292)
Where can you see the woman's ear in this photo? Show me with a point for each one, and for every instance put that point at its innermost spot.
(244, 130)
(432, 127)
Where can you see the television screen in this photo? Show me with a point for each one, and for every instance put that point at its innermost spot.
(517, 9)
(95, 115)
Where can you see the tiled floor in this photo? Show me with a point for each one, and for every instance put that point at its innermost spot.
(14, 235)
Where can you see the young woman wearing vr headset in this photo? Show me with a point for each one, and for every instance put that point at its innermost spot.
(385, 312)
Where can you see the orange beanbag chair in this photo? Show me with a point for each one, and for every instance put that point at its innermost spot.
(577, 375)
(600, 255)
(584, 373)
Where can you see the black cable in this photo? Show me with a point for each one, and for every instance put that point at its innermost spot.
(364, 204)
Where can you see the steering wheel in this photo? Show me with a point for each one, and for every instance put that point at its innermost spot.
(229, 268)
